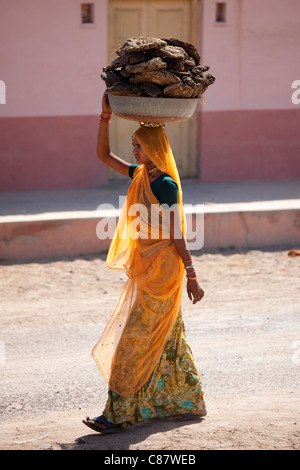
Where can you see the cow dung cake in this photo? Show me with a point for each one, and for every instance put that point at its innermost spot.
(153, 67)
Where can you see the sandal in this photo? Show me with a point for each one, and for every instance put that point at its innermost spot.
(92, 423)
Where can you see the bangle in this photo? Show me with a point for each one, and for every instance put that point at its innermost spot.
(187, 261)
(191, 273)
(189, 267)
(104, 119)
(192, 278)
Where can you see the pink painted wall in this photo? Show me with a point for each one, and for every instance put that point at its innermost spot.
(250, 145)
(254, 55)
(249, 127)
(50, 152)
(51, 65)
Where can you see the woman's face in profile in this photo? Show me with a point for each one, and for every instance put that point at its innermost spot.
(138, 152)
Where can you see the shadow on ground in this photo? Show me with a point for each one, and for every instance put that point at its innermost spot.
(129, 439)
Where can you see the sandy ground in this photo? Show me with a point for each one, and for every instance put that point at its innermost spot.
(245, 336)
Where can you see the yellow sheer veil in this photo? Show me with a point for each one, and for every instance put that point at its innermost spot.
(155, 143)
(135, 336)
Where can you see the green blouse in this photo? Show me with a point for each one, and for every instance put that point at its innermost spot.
(164, 188)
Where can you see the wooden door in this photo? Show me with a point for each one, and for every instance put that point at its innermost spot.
(151, 18)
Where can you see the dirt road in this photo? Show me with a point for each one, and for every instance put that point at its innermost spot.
(245, 336)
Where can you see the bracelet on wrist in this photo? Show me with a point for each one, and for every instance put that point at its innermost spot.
(104, 119)
(187, 261)
(189, 267)
(191, 273)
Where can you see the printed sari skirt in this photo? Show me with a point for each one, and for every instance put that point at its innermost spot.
(174, 387)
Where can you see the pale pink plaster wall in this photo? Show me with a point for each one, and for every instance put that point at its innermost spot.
(250, 145)
(50, 152)
(249, 127)
(254, 55)
(50, 62)
(51, 65)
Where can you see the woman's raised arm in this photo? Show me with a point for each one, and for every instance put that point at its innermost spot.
(103, 148)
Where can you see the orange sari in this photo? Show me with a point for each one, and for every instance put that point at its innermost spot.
(134, 338)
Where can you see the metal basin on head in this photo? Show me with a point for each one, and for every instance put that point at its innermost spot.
(140, 108)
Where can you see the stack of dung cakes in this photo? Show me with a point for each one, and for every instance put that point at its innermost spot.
(157, 68)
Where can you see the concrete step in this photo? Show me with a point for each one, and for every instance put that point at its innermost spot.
(52, 224)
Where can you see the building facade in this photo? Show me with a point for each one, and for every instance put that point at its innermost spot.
(51, 58)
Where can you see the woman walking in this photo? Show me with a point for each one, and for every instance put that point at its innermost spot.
(142, 352)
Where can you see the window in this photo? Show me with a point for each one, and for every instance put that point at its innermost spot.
(87, 13)
(221, 12)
